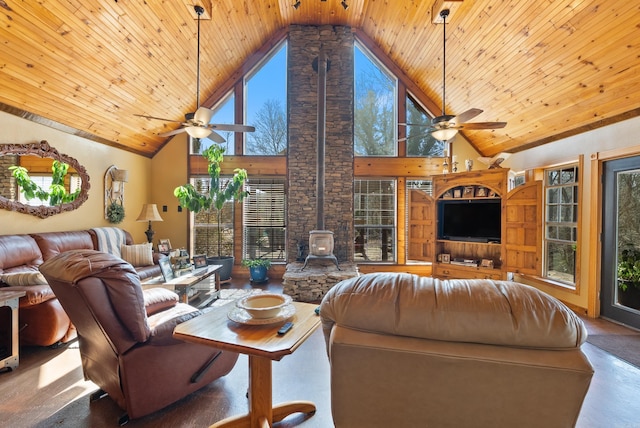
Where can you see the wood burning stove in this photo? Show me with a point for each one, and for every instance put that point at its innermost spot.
(321, 247)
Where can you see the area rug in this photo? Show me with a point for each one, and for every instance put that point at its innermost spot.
(232, 294)
(624, 346)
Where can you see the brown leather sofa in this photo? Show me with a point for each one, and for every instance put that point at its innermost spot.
(409, 351)
(126, 334)
(42, 320)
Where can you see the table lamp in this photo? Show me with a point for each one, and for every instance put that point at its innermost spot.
(149, 213)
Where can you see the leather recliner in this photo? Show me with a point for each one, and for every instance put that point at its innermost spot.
(410, 351)
(125, 333)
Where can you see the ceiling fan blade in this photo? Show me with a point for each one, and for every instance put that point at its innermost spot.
(203, 115)
(467, 115)
(157, 118)
(170, 133)
(415, 124)
(216, 137)
(411, 137)
(482, 125)
(232, 127)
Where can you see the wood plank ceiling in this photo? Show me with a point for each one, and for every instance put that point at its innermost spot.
(549, 68)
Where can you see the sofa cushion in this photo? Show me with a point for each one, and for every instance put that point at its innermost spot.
(53, 243)
(158, 299)
(137, 255)
(24, 278)
(458, 310)
(19, 253)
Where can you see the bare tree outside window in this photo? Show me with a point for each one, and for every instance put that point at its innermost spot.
(375, 109)
(270, 137)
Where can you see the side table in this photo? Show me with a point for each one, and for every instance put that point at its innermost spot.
(10, 345)
(263, 345)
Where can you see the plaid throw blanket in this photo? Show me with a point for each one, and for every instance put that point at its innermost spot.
(110, 239)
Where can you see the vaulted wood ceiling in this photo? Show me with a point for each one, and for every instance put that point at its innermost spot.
(549, 68)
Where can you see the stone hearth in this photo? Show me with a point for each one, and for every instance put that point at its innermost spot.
(312, 283)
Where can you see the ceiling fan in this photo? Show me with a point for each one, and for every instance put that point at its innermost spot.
(446, 126)
(197, 124)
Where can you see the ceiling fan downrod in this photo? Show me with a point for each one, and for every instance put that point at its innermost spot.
(443, 14)
(199, 11)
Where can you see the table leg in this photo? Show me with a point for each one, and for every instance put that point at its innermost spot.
(261, 410)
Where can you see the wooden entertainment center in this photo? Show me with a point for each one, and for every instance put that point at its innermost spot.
(511, 245)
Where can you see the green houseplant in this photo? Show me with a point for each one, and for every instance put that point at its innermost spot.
(257, 268)
(219, 192)
(628, 271)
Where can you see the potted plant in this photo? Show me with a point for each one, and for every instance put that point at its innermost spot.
(628, 270)
(220, 191)
(257, 268)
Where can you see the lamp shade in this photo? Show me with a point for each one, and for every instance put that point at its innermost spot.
(444, 134)
(120, 175)
(149, 213)
(198, 131)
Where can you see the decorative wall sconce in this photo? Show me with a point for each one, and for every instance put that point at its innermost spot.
(114, 180)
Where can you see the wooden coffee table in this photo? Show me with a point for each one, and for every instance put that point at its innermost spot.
(262, 344)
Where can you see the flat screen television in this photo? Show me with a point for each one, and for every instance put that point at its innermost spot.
(470, 220)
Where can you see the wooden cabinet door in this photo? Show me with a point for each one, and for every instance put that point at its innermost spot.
(421, 229)
(522, 229)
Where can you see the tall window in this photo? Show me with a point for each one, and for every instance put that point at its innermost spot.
(374, 220)
(266, 106)
(561, 223)
(264, 220)
(420, 142)
(375, 117)
(205, 225)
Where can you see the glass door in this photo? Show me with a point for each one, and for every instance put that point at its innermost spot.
(620, 296)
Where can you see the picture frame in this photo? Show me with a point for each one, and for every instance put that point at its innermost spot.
(163, 248)
(457, 193)
(199, 261)
(486, 263)
(492, 194)
(448, 194)
(481, 192)
(469, 191)
(166, 269)
(166, 242)
(445, 258)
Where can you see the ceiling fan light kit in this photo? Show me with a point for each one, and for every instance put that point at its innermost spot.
(444, 134)
(198, 131)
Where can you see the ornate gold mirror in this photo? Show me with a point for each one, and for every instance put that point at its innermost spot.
(37, 158)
